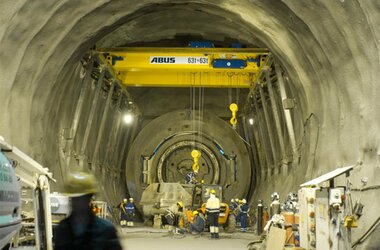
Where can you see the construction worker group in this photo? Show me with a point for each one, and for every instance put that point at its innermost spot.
(240, 210)
(175, 216)
(127, 212)
(82, 186)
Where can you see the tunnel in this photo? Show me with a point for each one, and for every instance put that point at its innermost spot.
(326, 55)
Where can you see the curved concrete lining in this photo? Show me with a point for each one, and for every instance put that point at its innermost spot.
(328, 49)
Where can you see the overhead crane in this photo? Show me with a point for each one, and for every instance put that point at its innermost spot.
(186, 67)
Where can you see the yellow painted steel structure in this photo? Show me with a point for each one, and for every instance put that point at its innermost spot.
(186, 67)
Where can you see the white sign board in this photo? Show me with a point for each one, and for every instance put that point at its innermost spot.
(182, 60)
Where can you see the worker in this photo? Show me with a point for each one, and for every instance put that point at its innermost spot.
(275, 205)
(180, 218)
(82, 229)
(173, 216)
(130, 209)
(233, 205)
(212, 210)
(191, 177)
(238, 212)
(198, 224)
(123, 212)
(244, 215)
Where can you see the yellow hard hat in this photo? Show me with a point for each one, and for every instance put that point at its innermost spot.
(80, 183)
(195, 212)
(131, 199)
(180, 204)
(212, 191)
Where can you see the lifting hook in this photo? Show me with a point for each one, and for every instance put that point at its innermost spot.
(196, 155)
(234, 109)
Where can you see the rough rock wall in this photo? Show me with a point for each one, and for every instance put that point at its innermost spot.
(329, 50)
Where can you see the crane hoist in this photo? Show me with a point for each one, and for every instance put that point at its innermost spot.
(186, 67)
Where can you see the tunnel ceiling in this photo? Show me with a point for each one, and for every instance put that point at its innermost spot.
(163, 25)
(174, 25)
(329, 51)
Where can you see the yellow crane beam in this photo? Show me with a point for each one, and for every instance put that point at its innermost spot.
(186, 67)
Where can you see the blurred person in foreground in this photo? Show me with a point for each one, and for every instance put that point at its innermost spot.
(82, 229)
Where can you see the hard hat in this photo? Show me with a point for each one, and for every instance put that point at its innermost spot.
(275, 196)
(240, 201)
(131, 199)
(232, 200)
(195, 212)
(212, 191)
(180, 204)
(244, 201)
(80, 183)
(125, 200)
(236, 200)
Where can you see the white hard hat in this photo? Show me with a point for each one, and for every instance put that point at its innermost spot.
(232, 200)
(275, 196)
(244, 201)
(124, 200)
(131, 199)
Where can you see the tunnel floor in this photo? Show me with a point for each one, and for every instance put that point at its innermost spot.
(147, 238)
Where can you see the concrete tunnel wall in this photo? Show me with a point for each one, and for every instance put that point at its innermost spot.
(329, 50)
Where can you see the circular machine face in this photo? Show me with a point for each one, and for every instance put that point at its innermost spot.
(176, 162)
(162, 153)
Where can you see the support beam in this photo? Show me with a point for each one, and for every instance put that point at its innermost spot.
(175, 67)
(102, 123)
(248, 132)
(86, 83)
(120, 143)
(276, 116)
(264, 142)
(91, 118)
(115, 129)
(267, 123)
(288, 116)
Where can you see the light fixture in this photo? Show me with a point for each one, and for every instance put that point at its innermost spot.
(250, 121)
(128, 118)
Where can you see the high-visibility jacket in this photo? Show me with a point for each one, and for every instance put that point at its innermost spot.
(130, 208)
(213, 205)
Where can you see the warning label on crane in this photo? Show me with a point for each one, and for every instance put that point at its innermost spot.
(192, 60)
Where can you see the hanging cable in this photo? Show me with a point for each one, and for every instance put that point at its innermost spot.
(201, 106)
(237, 96)
(229, 89)
(193, 110)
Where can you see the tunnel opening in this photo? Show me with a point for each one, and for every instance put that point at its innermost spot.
(149, 103)
(238, 160)
(329, 69)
